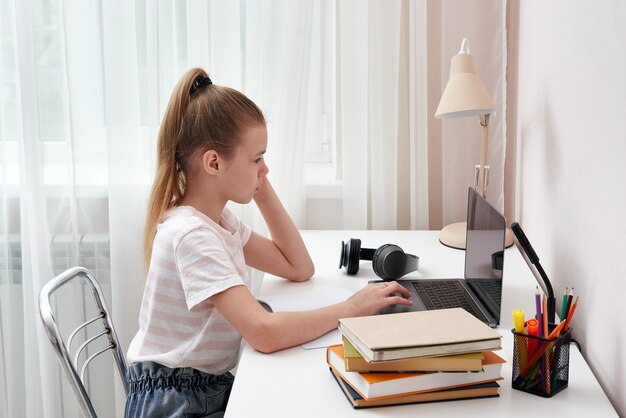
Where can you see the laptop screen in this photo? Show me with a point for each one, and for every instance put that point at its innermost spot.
(484, 251)
(485, 239)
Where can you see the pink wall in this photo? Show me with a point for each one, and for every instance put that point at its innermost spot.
(571, 153)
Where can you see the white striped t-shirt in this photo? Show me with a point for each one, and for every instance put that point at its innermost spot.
(193, 258)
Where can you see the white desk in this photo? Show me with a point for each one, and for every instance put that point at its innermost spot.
(296, 382)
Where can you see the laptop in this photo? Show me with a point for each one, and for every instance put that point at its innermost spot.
(480, 291)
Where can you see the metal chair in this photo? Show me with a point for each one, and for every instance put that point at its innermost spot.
(69, 363)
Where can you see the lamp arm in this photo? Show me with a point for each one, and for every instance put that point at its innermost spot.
(484, 146)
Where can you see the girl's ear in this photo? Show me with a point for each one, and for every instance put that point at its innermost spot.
(211, 162)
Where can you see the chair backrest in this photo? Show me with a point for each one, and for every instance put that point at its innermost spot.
(70, 361)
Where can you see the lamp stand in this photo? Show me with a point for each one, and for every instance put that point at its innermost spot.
(483, 169)
(454, 235)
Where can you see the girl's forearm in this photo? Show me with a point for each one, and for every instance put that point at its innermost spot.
(283, 231)
(289, 329)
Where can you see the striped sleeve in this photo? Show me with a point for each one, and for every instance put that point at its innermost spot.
(206, 266)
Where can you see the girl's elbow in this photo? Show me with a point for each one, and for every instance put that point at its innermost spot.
(266, 348)
(265, 338)
(310, 271)
(303, 274)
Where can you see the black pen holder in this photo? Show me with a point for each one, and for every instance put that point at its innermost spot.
(541, 365)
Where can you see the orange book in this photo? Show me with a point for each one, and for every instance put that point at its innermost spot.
(380, 385)
(480, 390)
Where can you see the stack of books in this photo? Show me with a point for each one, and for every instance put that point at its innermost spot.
(416, 357)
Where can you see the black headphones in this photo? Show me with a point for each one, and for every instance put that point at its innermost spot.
(389, 261)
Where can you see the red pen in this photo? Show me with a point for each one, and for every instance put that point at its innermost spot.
(533, 330)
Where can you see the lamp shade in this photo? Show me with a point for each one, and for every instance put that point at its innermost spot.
(465, 94)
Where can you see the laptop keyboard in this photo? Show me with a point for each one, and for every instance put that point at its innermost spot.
(493, 288)
(442, 294)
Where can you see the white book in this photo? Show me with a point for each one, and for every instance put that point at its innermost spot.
(423, 333)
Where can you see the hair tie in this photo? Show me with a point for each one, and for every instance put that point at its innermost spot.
(199, 83)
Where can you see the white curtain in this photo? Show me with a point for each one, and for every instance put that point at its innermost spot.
(382, 147)
(84, 86)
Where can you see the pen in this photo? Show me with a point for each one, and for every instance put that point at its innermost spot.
(533, 343)
(522, 347)
(518, 320)
(533, 330)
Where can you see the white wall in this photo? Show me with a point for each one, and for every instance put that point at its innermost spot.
(571, 165)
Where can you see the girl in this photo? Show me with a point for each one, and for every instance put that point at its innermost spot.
(197, 304)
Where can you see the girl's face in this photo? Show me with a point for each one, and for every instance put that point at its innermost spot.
(246, 170)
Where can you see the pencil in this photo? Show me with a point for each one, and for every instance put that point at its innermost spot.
(571, 314)
(538, 307)
(556, 331)
(544, 316)
(563, 304)
(569, 303)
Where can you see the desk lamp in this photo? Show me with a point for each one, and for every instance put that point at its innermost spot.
(465, 95)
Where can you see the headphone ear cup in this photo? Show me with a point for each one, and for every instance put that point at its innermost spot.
(343, 256)
(354, 248)
(389, 262)
(377, 261)
(349, 256)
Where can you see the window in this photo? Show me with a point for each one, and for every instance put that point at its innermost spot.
(321, 167)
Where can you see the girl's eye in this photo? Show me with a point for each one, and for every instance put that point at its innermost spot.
(258, 160)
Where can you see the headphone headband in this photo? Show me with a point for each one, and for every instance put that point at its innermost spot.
(389, 262)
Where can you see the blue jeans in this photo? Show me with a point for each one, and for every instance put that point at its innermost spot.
(158, 391)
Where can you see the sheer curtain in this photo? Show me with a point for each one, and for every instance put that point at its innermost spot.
(84, 85)
(379, 137)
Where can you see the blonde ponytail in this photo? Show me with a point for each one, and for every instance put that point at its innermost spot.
(199, 116)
